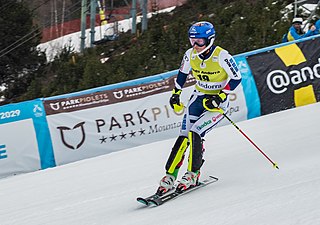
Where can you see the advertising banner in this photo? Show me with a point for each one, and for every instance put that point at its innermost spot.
(249, 88)
(93, 124)
(25, 144)
(287, 76)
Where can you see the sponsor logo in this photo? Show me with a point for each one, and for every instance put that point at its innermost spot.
(118, 94)
(232, 96)
(233, 67)
(161, 128)
(120, 127)
(55, 106)
(233, 110)
(78, 102)
(190, 79)
(203, 65)
(104, 126)
(210, 72)
(127, 120)
(213, 120)
(144, 89)
(74, 132)
(37, 110)
(216, 118)
(243, 67)
(215, 59)
(206, 72)
(195, 70)
(279, 80)
(186, 58)
(205, 123)
(193, 29)
(3, 152)
(209, 86)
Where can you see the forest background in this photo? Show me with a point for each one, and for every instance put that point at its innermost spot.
(241, 26)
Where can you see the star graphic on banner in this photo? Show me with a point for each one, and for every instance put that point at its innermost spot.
(122, 136)
(132, 133)
(141, 131)
(113, 137)
(103, 139)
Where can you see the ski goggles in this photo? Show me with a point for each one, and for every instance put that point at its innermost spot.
(198, 41)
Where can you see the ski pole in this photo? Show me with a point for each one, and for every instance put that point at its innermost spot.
(275, 165)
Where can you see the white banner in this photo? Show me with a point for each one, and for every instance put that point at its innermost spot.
(100, 130)
(18, 148)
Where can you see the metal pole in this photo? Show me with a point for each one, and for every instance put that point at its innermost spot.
(83, 24)
(134, 16)
(144, 5)
(275, 165)
(93, 8)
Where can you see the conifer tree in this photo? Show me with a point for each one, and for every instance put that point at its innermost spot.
(19, 58)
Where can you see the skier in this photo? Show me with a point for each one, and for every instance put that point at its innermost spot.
(216, 75)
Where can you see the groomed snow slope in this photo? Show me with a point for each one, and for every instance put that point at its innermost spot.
(250, 191)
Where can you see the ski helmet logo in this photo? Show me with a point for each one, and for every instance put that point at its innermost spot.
(64, 129)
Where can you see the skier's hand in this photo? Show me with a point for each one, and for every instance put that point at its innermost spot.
(212, 102)
(175, 103)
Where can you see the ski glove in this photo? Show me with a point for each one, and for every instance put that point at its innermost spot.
(212, 102)
(175, 103)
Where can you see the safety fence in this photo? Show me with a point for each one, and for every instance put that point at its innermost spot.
(54, 131)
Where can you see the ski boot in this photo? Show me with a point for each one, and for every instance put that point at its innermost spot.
(166, 184)
(189, 179)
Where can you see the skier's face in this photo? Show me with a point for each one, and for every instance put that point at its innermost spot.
(198, 48)
(297, 26)
(198, 44)
(197, 41)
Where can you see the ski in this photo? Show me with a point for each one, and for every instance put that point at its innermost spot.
(146, 201)
(157, 200)
(163, 199)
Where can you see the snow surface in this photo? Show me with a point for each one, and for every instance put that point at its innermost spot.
(250, 191)
(54, 47)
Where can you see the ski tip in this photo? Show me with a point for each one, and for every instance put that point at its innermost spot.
(216, 178)
(152, 202)
(143, 201)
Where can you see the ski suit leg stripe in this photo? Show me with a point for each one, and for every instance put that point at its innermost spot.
(178, 155)
(190, 152)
